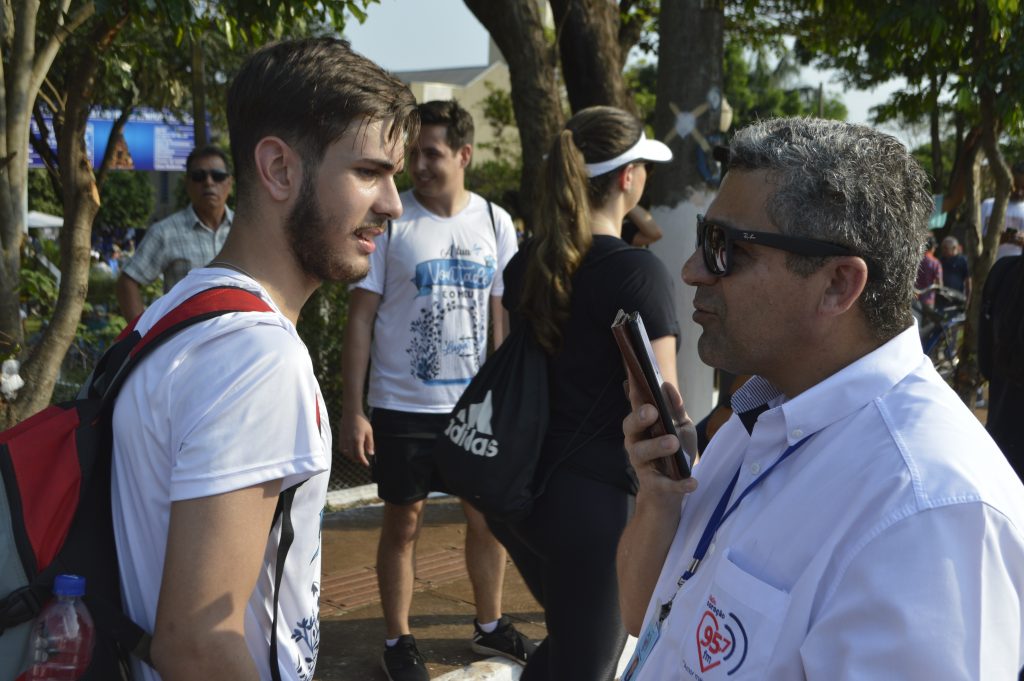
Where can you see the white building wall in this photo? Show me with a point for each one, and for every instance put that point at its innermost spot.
(679, 225)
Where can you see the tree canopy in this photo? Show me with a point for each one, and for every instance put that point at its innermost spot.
(965, 57)
(65, 57)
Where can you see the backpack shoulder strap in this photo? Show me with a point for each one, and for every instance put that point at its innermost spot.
(204, 305)
(283, 512)
(207, 304)
(490, 211)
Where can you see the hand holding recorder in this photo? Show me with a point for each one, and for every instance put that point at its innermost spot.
(642, 367)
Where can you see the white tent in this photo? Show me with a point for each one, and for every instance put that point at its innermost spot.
(37, 219)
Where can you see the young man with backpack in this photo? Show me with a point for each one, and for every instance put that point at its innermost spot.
(224, 422)
(419, 321)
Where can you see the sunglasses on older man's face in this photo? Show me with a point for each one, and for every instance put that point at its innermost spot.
(715, 241)
(218, 176)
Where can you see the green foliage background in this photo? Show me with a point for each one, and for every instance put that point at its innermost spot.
(126, 200)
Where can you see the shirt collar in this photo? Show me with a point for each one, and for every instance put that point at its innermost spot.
(229, 216)
(842, 393)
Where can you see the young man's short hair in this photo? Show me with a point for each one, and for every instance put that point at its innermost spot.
(308, 92)
(457, 121)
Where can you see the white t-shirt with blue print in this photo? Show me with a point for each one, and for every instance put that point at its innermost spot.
(436, 276)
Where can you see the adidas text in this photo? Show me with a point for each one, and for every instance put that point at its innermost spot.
(467, 437)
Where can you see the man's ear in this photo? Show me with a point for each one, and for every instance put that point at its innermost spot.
(278, 168)
(847, 277)
(465, 155)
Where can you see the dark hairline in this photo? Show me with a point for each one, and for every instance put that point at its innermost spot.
(208, 151)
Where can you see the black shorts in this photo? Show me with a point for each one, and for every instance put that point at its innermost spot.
(403, 465)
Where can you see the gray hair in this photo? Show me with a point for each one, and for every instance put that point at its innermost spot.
(850, 185)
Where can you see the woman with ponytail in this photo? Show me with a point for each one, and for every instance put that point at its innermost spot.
(567, 284)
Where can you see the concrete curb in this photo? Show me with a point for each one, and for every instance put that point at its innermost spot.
(342, 498)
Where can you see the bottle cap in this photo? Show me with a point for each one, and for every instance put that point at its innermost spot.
(69, 585)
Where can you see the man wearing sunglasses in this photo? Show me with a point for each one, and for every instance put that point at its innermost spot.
(184, 240)
(852, 519)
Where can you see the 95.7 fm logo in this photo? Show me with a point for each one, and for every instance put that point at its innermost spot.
(721, 639)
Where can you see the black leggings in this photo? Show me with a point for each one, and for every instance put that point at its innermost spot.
(565, 551)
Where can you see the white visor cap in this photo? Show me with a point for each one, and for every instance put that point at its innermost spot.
(644, 150)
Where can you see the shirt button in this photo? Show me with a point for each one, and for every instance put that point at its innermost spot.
(798, 433)
(755, 468)
(711, 549)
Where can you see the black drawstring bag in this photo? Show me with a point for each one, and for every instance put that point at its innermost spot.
(490, 447)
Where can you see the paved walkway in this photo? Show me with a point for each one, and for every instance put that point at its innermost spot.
(352, 628)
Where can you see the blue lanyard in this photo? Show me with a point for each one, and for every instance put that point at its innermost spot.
(719, 516)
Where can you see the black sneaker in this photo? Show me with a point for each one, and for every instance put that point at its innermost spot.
(403, 662)
(505, 640)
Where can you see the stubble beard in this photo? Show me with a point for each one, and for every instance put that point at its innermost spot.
(309, 237)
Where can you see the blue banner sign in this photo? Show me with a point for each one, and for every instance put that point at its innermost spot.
(150, 140)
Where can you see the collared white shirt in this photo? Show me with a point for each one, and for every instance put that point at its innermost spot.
(889, 546)
(175, 245)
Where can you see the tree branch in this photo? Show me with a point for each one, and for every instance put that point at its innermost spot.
(41, 145)
(63, 30)
(108, 153)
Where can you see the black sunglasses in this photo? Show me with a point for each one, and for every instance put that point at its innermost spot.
(201, 175)
(715, 241)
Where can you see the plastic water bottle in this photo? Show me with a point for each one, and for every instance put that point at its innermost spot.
(60, 647)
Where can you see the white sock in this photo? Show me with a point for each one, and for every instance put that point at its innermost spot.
(390, 642)
(489, 627)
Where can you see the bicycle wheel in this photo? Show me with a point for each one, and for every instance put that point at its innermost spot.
(945, 353)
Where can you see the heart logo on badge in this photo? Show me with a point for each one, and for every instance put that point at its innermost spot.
(713, 644)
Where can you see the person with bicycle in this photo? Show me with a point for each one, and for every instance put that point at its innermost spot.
(956, 271)
(929, 274)
(852, 519)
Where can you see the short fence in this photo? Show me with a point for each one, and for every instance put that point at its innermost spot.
(346, 474)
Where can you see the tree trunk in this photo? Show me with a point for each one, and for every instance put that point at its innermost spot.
(691, 53)
(198, 92)
(16, 103)
(938, 175)
(515, 26)
(981, 251)
(11, 330)
(631, 29)
(982, 254)
(81, 203)
(588, 43)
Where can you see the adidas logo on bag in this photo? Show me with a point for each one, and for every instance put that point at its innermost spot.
(470, 428)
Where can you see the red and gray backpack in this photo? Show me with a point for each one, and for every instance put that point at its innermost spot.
(55, 509)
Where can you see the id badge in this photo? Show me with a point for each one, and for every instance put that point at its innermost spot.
(644, 646)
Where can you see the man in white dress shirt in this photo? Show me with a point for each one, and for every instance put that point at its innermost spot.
(852, 520)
